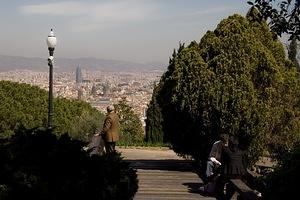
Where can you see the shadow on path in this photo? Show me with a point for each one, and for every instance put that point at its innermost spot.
(167, 164)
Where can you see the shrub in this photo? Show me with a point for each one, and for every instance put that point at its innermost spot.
(35, 164)
(283, 182)
(27, 105)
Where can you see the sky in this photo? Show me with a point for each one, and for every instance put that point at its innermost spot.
(130, 30)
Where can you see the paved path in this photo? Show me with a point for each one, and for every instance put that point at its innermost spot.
(163, 175)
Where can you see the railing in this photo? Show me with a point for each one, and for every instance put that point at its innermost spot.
(237, 189)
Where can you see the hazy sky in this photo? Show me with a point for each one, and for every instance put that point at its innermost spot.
(132, 30)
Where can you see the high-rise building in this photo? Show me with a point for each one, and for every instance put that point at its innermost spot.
(94, 90)
(79, 93)
(78, 75)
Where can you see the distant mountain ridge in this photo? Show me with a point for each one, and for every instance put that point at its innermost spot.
(8, 63)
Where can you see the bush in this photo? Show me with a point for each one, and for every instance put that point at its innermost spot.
(28, 105)
(35, 164)
(283, 182)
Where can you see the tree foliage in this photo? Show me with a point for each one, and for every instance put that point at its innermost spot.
(283, 15)
(26, 105)
(293, 51)
(236, 79)
(131, 130)
(282, 183)
(36, 164)
(154, 121)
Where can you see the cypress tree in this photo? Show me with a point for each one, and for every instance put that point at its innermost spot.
(235, 79)
(292, 52)
(154, 132)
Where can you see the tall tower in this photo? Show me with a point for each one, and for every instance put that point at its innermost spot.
(94, 90)
(78, 75)
(79, 93)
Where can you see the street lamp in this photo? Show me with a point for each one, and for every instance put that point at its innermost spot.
(51, 42)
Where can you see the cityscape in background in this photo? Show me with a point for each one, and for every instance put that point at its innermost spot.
(99, 88)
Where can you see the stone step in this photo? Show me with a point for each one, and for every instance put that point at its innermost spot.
(170, 197)
(163, 184)
(178, 165)
(163, 175)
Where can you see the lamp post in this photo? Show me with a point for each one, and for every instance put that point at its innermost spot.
(51, 42)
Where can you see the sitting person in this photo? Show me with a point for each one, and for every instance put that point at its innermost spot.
(96, 146)
(213, 164)
(234, 163)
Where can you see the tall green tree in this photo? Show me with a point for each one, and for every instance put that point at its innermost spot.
(131, 130)
(236, 79)
(154, 121)
(283, 15)
(293, 52)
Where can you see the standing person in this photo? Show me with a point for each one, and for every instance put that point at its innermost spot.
(111, 129)
(213, 164)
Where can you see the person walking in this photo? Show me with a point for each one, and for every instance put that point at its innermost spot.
(214, 163)
(110, 129)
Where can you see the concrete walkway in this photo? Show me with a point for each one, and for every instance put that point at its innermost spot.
(163, 175)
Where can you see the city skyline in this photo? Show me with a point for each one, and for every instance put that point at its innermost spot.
(131, 30)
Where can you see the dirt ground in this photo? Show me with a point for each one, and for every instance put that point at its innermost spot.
(151, 153)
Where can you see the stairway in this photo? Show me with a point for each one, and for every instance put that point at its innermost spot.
(163, 175)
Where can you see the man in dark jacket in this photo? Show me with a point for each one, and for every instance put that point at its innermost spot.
(111, 129)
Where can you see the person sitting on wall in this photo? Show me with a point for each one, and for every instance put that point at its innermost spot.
(214, 163)
(96, 145)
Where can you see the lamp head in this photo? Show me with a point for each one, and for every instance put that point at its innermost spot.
(51, 42)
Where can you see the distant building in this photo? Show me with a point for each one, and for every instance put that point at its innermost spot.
(80, 93)
(101, 103)
(86, 81)
(94, 90)
(105, 89)
(78, 75)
